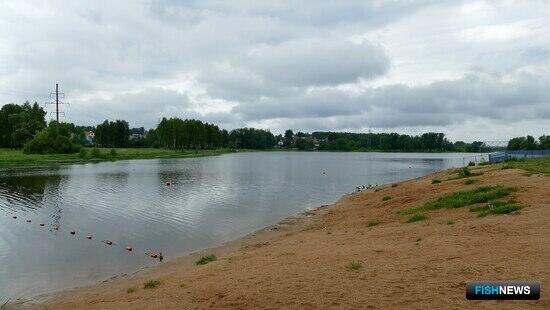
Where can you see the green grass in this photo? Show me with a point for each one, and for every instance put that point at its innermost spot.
(131, 290)
(416, 217)
(449, 222)
(373, 223)
(206, 259)
(16, 158)
(354, 265)
(436, 181)
(471, 181)
(386, 198)
(496, 207)
(463, 198)
(534, 165)
(151, 284)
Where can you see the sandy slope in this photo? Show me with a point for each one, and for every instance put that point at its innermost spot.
(301, 263)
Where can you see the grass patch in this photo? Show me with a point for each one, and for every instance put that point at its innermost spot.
(151, 284)
(484, 163)
(463, 198)
(466, 173)
(533, 165)
(206, 259)
(131, 290)
(416, 217)
(471, 181)
(377, 189)
(354, 265)
(183, 285)
(16, 158)
(373, 223)
(449, 222)
(394, 185)
(386, 198)
(436, 181)
(496, 207)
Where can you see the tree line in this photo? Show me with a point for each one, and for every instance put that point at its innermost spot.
(24, 126)
(529, 143)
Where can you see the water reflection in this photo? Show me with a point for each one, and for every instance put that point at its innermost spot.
(210, 200)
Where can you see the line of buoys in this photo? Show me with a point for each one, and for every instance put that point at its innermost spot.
(151, 254)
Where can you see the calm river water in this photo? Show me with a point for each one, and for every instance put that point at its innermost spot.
(211, 200)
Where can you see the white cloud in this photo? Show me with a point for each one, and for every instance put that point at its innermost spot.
(346, 65)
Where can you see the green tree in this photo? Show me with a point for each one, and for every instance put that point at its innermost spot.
(54, 139)
(19, 123)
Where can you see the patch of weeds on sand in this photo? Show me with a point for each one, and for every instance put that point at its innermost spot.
(463, 198)
(206, 259)
(416, 217)
(466, 173)
(377, 189)
(151, 284)
(183, 285)
(131, 290)
(449, 222)
(484, 163)
(373, 223)
(354, 265)
(496, 207)
(386, 198)
(436, 181)
(394, 185)
(471, 181)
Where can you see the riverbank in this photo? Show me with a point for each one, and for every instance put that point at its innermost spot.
(369, 250)
(16, 158)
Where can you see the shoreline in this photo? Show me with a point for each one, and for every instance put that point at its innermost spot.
(343, 219)
(15, 159)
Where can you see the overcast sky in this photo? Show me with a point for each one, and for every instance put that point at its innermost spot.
(471, 69)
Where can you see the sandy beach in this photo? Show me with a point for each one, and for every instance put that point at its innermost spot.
(306, 262)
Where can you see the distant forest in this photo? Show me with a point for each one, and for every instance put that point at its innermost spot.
(24, 126)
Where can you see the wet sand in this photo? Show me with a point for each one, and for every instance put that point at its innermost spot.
(301, 263)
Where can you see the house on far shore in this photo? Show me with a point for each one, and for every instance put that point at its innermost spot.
(89, 136)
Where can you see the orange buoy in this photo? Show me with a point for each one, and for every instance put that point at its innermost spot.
(128, 248)
(89, 237)
(72, 232)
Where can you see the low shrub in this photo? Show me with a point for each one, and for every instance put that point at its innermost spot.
(470, 181)
(113, 152)
(151, 284)
(373, 223)
(386, 198)
(416, 217)
(394, 185)
(471, 164)
(354, 265)
(82, 153)
(96, 152)
(436, 181)
(206, 259)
